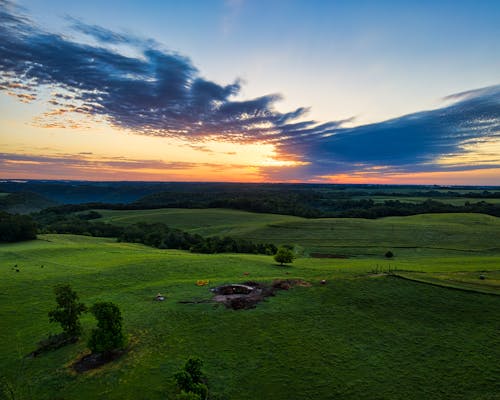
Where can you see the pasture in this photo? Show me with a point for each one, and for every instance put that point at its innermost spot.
(414, 236)
(363, 335)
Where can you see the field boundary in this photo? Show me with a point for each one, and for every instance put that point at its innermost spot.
(462, 289)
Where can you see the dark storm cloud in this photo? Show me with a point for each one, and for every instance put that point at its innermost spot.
(411, 143)
(157, 92)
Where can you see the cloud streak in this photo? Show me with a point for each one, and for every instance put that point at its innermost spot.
(412, 143)
(161, 93)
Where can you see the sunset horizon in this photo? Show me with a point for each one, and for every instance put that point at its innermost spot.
(86, 101)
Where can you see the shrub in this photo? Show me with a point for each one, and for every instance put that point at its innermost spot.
(189, 380)
(389, 254)
(188, 396)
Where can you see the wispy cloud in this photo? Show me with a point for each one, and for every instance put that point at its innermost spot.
(161, 93)
(86, 165)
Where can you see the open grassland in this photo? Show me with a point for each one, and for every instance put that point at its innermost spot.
(360, 336)
(206, 222)
(432, 235)
(456, 201)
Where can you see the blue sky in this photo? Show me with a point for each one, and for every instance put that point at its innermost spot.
(369, 59)
(357, 63)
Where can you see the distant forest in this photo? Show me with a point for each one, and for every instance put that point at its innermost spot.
(50, 199)
(304, 200)
(308, 204)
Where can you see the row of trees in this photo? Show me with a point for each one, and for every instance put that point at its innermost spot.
(16, 228)
(156, 235)
(299, 203)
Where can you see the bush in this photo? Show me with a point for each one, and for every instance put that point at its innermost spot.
(188, 396)
(68, 310)
(189, 380)
(389, 254)
(108, 335)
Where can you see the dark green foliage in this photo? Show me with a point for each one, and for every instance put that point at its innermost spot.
(16, 228)
(284, 255)
(190, 380)
(309, 201)
(62, 220)
(68, 310)
(90, 215)
(161, 236)
(184, 380)
(201, 390)
(108, 335)
(389, 254)
(24, 202)
(193, 368)
(188, 396)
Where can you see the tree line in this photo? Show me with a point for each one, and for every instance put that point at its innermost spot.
(297, 204)
(157, 234)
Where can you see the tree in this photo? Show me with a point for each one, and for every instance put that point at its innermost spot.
(389, 254)
(284, 255)
(108, 335)
(190, 380)
(68, 310)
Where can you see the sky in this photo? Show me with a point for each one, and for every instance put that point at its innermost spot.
(395, 92)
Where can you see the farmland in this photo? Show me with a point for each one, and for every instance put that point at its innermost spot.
(363, 335)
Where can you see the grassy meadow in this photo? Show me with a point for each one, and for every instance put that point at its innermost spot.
(412, 236)
(363, 335)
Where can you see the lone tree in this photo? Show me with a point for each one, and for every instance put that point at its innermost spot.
(68, 310)
(108, 335)
(284, 255)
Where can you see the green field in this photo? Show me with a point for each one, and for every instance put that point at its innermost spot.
(342, 334)
(414, 236)
(363, 335)
(456, 201)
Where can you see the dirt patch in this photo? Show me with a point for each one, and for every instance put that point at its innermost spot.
(96, 360)
(248, 294)
(53, 342)
(326, 255)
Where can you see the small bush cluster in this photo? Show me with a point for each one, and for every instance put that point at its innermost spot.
(190, 381)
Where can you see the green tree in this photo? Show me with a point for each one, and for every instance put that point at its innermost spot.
(108, 335)
(68, 310)
(183, 395)
(190, 380)
(284, 255)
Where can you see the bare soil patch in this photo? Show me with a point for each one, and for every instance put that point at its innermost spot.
(53, 342)
(96, 360)
(248, 294)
